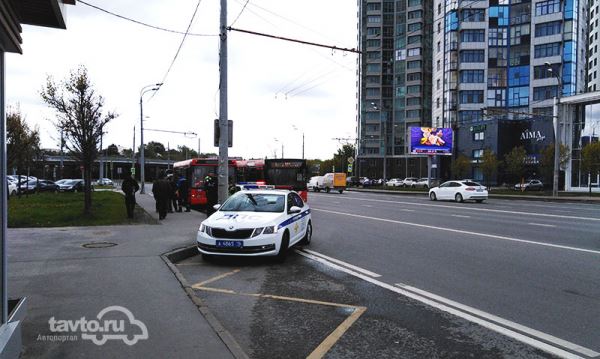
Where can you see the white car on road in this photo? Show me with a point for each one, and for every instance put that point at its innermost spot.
(459, 191)
(395, 182)
(256, 223)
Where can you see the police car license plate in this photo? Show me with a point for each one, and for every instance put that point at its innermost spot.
(230, 244)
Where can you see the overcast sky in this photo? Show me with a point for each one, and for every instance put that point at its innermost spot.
(122, 57)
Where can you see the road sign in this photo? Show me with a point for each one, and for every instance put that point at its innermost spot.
(350, 160)
(349, 167)
(132, 171)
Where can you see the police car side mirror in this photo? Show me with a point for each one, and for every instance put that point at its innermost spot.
(217, 206)
(295, 209)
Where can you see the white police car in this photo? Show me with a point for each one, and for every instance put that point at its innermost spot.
(256, 223)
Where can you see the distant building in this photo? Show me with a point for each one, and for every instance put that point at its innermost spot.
(593, 70)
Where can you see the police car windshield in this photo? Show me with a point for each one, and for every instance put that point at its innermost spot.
(254, 202)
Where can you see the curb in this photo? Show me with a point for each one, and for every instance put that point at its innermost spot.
(179, 254)
(497, 196)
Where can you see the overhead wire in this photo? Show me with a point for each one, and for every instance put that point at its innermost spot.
(240, 14)
(143, 23)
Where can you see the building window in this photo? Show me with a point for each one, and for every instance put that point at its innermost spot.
(439, 65)
(439, 27)
(438, 84)
(518, 76)
(547, 28)
(498, 37)
(547, 7)
(415, 76)
(413, 64)
(478, 136)
(472, 15)
(477, 154)
(471, 76)
(413, 101)
(439, 9)
(472, 56)
(470, 116)
(413, 114)
(471, 96)
(472, 36)
(417, 14)
(544, 92)
(439, 46)
(516, 33)
(373, 79)
(496, 97)
(543, 71)
(414, 39)
(373, 19)
(496, 77)
(373, 6)
(414, 52)
(437, 102)
(373, 92)
(415, 26)
(373, 55)
(414, 3)
(518, 96)
(373, 31)
(374, 68)
(413, 89)
(374, 43)
(547, 50)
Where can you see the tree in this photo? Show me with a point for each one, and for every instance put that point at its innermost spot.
(22, 143)
(460, 167)
(590, 156)
(489, 165)
(340, 159)
(547, 161)
(515, 163)
(79, 114)
(112, 150)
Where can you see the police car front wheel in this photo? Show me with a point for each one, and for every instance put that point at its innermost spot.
(283, 249)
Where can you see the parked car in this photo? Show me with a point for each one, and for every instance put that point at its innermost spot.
(530, 185)
(73, 185)
(394, 182)
(105, 182)
(459, 191)
(408, 181)
(364, 181)
(352, 181)
(12, 188)
(46, 186)
(421, 182)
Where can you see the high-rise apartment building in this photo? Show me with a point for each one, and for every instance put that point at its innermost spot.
(593, 44)
(394, 86)
(505, 60)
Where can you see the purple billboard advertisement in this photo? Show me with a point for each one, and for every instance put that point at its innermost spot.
(430, 141)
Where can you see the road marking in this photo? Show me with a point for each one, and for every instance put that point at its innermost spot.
(476, 209)
(467, 316)
(460, 216)
(324, 347)
(367, 205)
(219, 277)
(504, 322)
(541, 224)
(345, 264)
(493, 236)
(407, 210)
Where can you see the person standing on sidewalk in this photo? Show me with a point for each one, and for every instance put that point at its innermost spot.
(212, 196)
(129, 187)
(183, 189)
(173, 194)
(161, 189)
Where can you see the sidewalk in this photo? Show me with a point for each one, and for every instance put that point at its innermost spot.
(562, 196)
(64, 280)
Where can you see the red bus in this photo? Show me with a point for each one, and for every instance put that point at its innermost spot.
(287, 174)
(195, 170)
(250, 172)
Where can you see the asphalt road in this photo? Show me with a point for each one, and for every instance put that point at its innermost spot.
(532, 264)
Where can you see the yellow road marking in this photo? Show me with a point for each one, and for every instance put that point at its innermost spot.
(214, 279)
(322, 349)
(330, 341)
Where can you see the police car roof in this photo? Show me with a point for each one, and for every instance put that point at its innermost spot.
(265, 191)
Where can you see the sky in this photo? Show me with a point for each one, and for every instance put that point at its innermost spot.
(277, 90)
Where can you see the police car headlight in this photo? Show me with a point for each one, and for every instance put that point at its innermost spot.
(206, 229)
(257, 232)
(270, 230)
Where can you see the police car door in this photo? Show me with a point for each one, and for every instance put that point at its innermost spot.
(297, 225)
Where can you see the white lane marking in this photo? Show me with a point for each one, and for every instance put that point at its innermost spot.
(407, 210)
(507, 323)
(367, 205)
(460, 216)
(478, 209)
(541, 224)
(484, 323)
(342, 263)
(434, 228)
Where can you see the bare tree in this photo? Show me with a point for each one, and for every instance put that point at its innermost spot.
(489, 165)
(79, 114)
(460, 167)
(22, 143)
(514, 162)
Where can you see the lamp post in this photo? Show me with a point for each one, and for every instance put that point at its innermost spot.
(556, 123)
(296, 128)
(144, 90)
(381, 120)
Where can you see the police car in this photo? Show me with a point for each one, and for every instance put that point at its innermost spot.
(256, 223)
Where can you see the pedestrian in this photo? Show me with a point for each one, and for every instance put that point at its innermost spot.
(211, 186)
(161, 189)
(183, 189)
(173, 194)
(129, 187)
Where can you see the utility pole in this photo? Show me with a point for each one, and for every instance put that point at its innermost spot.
(198, 146)
(133, 152)
(101, 171)
(62, 141)
(223, 117)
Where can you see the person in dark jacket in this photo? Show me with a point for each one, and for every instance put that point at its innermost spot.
(173, 197)
(183, 189)
(161, 189)
(211, 186)
(129, 187)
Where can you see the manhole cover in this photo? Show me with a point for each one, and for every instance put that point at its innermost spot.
(99, 245)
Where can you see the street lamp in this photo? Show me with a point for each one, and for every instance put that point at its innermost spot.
(144, 90)
(296, 128)
(376, 107)
(555, 122)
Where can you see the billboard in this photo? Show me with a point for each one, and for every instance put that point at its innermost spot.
(430, 141)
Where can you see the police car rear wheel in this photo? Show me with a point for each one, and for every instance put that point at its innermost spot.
(308, 236)
(283, 249)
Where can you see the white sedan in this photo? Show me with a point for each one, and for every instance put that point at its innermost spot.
(256, 223)
(459, 191)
